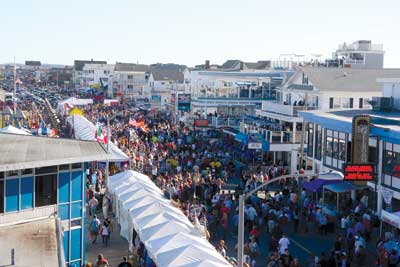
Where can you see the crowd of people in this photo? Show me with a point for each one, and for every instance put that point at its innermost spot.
(192, 170)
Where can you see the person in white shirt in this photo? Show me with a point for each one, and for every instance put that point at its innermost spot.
(283, 244)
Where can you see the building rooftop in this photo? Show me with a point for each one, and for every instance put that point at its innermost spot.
(131, 67)
(21, 152)
(33, 63)
(345, 79)
(35, 243)
(79, 64)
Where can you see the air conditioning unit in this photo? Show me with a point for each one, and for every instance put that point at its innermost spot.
(384, 104)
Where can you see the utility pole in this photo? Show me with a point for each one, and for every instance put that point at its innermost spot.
(303, 134)
(15, 88)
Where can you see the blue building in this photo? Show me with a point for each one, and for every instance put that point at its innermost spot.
(329, 147)
(46, 177)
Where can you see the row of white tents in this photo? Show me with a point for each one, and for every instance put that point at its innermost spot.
(86, 130)
(169, 237)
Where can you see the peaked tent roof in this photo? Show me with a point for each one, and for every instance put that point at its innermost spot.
(13, 130)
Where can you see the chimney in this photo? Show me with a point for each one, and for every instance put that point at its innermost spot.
(207, 64)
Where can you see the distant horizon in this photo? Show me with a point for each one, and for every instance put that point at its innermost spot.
(191, 32)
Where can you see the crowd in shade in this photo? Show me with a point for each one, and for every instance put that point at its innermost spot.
(193, 169)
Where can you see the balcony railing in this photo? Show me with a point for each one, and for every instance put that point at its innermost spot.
(280, 108)
(273, 137)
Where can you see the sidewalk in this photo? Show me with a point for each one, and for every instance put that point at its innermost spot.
(117, 246)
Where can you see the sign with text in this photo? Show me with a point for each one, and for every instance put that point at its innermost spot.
(360, 139)
(200, 123)
(254, 146)
(359, 172)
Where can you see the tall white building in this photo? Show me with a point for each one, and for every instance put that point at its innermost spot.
(362, 54)
(97, 74)
(131, 80)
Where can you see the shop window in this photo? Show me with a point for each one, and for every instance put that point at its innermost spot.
(45, 190)
(12, 195)
(26, 193)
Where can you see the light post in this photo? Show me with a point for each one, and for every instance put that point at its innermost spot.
(242, 199)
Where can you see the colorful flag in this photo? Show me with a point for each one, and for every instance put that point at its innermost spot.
(132, 122)
(100, 136)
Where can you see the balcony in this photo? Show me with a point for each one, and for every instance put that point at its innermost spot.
(287, 110)
(273, 136)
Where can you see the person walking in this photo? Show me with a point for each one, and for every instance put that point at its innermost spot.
(94, 228)
(93, 202)
(105, 233)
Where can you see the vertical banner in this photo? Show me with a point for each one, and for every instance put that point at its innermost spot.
(360, 139)
(184, 102)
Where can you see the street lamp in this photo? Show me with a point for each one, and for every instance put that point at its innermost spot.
(242, 199)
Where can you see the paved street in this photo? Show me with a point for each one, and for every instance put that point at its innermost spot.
(117, 248)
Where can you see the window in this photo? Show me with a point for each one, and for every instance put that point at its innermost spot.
(335, 148)
(44, 170)
(45, 190)
(318, 142)
(310, 139)
(27, 171)
(391, 163)
(130, 86)
(130, 77)
(12, 195)
(12, 173)
(76, 166)
(63, 167)
(331, 103)
(351, 100)
(360, 103)
(1, 196)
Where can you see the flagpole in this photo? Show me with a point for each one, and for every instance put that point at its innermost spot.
(108, 149)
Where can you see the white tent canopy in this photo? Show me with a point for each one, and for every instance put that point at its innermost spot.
(71, 102)
(13, 130)
(85, 130)
(169, 237)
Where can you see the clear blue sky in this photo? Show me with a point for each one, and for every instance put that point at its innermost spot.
(189, 32)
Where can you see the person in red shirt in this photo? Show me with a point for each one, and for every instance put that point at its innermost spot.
(255, 232)
(101, 261)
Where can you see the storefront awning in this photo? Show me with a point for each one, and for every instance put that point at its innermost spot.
(341, 187)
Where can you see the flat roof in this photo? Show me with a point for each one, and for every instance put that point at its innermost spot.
(35, 244)
(22, 152)
(386, 125)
